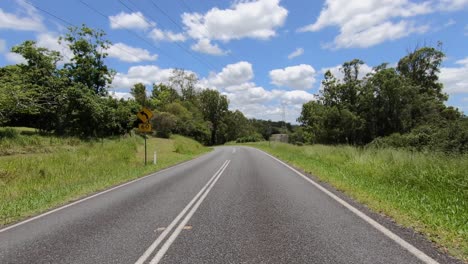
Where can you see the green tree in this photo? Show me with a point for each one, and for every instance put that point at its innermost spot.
(139, 93)
(214, 106)
(87, 65)
(184, 82)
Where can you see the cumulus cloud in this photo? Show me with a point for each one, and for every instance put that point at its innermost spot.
(166, 35)
(127, 53)
(49, 40)
(236, 82)
(364, 69)
(27, 19)
(146, 74)
(14, 58)
(121, 95)
(370, 22)
(2, 45)
(205, 46)
(452, 5)
(245, 19)
(231, 75)
(135, 20)
(454, 78)
(298, 77)
(298, 52)
(296, 97)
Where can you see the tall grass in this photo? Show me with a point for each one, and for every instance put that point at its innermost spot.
(32, 183)
(428, 192)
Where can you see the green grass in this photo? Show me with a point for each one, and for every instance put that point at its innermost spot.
(33, 183)
(428, 192)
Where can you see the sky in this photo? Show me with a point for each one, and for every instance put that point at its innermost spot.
(264, 55)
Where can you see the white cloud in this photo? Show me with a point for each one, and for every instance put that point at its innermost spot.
(135, 20)
(299, 77)
(257, 102)
(159, 35)
(370, 22)
(146, 74)
(2, 45)
(235, 81)
(298, 52)
(49, 40)
(455, 78)
(378, 34)
(205, 46)
(364, 69)
(452, 5)
(245, 19)
(14, 58)
(27, 19)
(231, 75)
(127, 53)
(296, 97)
(121, 95)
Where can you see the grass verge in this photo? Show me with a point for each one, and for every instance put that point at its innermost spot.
(428, 192)
(33, 183)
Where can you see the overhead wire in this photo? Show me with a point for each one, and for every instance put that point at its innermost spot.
(130, 31)
(205, 63)
(232, 55)
(66, 22)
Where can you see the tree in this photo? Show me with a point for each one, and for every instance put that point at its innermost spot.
(184, 82)
(87, 65)
(422, 67)
(213, 105)
(139, 93)
(163, 94)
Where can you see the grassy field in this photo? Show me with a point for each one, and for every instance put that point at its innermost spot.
(38, 173)
(428, 192)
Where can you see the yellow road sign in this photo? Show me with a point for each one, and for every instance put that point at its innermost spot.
(145, 127)
(145, 115)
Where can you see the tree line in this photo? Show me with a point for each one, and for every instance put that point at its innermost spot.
(402, 106)
(72, 98)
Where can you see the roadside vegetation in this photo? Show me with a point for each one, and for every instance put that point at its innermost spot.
(53, 171)
(425, 191)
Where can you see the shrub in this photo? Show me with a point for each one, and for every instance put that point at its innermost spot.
(8, 133)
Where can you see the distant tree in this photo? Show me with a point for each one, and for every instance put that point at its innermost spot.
(163, 94)
(139, 93)
(184, 82)
(214, 106)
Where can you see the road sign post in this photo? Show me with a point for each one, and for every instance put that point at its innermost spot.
(145, 148)
(145, 116)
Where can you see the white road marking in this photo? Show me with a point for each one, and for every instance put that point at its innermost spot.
(416, 252)
(168, 229)
(179, 228)
(94, 195)
(234, 150)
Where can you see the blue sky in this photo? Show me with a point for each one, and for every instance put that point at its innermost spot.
(262, 54)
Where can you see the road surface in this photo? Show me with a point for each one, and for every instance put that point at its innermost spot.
(233, 205)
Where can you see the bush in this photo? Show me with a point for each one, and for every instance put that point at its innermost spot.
(8, 133)
(451, 138)
(252, 138)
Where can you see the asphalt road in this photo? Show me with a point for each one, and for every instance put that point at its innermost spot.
(233, 205)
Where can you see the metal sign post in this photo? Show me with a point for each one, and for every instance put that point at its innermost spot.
(145, 148)
(145, 116)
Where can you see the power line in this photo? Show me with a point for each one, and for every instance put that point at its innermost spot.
(206, 64)
(167, 15)
(72, 25)
(130, 31)
(47, 12)
(233, 56)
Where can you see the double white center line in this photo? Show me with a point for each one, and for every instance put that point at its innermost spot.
(192, 206)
